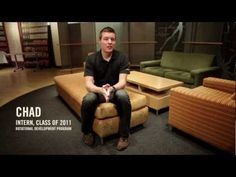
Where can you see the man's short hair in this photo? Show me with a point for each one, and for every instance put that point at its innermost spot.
(106, 29)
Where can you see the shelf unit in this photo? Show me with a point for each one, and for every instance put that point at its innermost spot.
(34, 41)
(4, 45)
(3, 39)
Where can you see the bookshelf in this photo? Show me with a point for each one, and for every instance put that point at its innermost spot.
(4, 48)
(3, 39)
(34, 41)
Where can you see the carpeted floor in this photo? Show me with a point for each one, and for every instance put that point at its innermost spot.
(154, 138)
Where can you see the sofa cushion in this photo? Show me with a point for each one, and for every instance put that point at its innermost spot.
(74, 86)
(220, 84)
(108, 126)
(156, 70)
(105, 110)
(180, 75)
(209, 98)
(214, 95)
(186, 61)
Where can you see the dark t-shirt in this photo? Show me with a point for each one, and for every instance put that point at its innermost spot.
(106, 72)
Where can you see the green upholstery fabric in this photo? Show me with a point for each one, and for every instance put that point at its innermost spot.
(180, 75)
(157, 70)
(186, 61)
(150, 63)
(191, 68)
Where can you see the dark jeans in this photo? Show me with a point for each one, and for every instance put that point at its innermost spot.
(123, 106)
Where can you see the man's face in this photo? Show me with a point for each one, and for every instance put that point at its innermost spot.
(107, 42)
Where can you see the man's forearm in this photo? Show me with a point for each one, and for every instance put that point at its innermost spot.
(120, 85)
(93, 88)
(122, 81)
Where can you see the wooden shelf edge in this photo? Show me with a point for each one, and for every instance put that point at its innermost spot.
(202, 43)
(95, 43)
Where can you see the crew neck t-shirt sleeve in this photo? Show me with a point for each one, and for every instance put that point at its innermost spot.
(124, 67)
(88, 71)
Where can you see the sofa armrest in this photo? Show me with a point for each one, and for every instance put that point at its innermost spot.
(220, 84)
(200, 96)
(144, 64)
(203, 115)
(200, 74)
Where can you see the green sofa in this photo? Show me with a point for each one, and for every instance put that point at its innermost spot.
(190, 68)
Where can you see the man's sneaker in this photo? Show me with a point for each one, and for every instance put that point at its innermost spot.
(123, 143)
(88, 139)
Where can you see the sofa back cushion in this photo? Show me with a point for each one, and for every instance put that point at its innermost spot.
(186, 61)
(224, 85)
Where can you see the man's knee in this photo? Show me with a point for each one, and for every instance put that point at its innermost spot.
(122, 95)
(90, 98)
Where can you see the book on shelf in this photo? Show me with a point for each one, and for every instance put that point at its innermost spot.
(34, 36)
